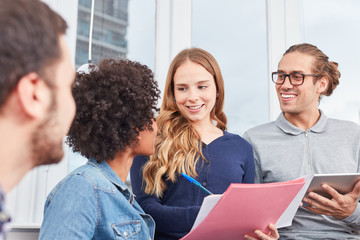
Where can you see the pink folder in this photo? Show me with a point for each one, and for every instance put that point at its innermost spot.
(246, 207)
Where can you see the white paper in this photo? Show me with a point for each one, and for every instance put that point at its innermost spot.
(286, 218)
(207, 205)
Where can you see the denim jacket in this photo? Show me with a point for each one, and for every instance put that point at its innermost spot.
(92, 202)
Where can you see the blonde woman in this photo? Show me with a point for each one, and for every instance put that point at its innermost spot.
(192, 139)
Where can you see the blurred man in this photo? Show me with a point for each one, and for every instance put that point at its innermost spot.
(302, 140)
(36, 77)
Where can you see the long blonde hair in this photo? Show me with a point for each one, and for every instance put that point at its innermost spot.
(178, 144)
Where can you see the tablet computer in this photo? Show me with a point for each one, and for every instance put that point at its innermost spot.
(341, 182)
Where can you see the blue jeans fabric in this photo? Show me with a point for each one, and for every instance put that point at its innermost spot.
(92, 202)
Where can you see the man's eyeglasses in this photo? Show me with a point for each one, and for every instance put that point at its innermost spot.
(295, 79)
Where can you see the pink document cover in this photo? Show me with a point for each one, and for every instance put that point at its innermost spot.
(244, 208)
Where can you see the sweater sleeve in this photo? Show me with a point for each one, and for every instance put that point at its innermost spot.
(354, 218)
(249, 166)
(168, 219)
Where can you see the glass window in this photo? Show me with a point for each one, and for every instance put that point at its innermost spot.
(331, 25)
(234, 32)
(122, 29)
(109, 30)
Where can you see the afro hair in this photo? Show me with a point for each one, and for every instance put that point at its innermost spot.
(114, 102)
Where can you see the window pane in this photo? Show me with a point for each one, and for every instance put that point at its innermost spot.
(234, 32)
(141, 32)
(109, 30)
(122, 29)
(332, 25)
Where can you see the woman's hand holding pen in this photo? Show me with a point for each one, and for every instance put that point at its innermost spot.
(273, 235)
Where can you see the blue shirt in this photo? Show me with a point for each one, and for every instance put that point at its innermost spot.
(92, 202)
(4, 217)
(229, 159)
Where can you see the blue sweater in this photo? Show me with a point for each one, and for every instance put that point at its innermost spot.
(229, 159)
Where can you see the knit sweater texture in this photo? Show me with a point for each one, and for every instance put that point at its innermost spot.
(228, 159)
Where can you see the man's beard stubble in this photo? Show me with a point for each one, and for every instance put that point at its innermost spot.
(47, 144)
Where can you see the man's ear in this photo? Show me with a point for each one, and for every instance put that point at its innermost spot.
(323, 84)
(34, 95)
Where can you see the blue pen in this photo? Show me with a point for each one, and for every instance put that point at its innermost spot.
(190, 179)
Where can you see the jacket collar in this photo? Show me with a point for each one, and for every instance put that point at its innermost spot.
(289, 128)
(109, 173)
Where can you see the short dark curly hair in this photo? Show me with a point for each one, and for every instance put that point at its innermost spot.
(114, 102)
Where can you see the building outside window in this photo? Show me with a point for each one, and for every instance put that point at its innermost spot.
(109, 30)
(122, 29)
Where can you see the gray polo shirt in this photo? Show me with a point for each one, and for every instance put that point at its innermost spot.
(284, 152)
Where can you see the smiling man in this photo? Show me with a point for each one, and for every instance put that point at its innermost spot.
(36, 103)
(302, 140)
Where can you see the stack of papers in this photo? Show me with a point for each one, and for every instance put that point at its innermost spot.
(246, 207)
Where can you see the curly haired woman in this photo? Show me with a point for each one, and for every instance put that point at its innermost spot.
(113, 123)
(192, 138)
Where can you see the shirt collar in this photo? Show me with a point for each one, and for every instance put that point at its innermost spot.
(109, 173)
(289, 128)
